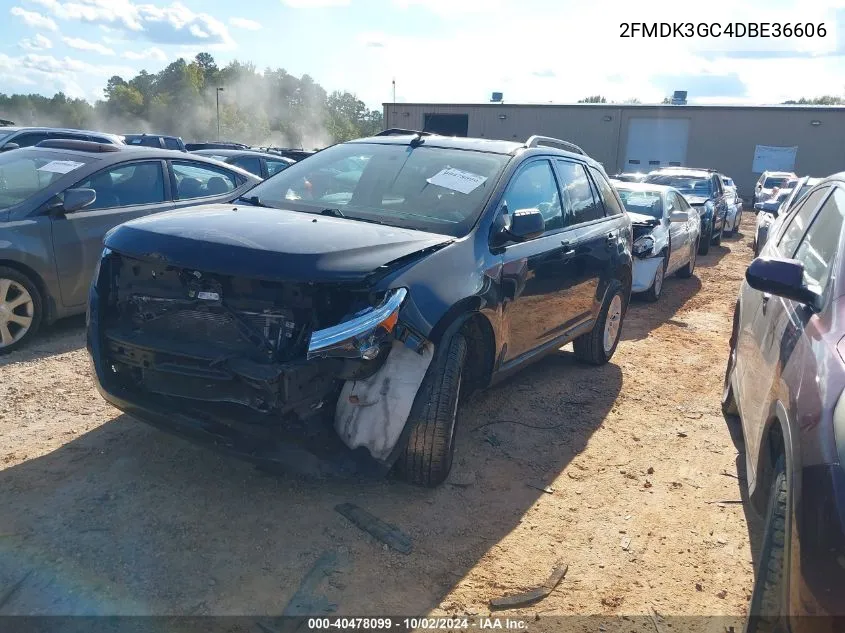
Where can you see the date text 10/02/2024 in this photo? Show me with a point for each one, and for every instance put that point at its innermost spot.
(418, 624)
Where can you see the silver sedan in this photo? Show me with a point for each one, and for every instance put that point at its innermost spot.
(666, 235)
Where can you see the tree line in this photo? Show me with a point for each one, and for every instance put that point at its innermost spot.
(269, 108)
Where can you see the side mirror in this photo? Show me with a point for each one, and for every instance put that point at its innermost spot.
(10, 146)
(525, 224)
(679, 216)
(781, 277)
(76, 199)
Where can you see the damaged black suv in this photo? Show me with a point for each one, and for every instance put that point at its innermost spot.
(331, 319)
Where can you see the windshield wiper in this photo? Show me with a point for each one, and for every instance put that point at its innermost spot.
(335, 213)
(255, 200)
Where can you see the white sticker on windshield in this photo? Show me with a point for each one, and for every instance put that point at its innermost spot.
(457, 180)
(60, 166)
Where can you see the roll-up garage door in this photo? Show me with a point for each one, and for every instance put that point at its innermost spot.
(654, 143)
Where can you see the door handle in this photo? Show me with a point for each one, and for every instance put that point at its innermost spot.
(610, 241)
(567, 247)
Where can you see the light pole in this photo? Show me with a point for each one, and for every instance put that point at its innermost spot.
(217, 94)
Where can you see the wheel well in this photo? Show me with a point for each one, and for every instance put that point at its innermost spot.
(480, 351)
(46, 299)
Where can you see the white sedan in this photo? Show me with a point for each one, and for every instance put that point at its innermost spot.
(666, 234)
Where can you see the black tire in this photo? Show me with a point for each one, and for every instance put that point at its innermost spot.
(767, 599)
(427, 457)
(589, 347)
(687, 271)
(729, 407)
(704, 244)
(653, 293)
(17, 277)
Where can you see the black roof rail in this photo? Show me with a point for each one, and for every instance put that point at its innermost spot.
(79, 145)
(679, 168)
(398, 131)
(548, 141)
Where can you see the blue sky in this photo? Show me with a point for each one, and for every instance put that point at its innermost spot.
(437, 50)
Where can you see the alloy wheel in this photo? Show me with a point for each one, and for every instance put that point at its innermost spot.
(17, 310)
(612, 323)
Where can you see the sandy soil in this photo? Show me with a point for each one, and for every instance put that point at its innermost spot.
(107, 515)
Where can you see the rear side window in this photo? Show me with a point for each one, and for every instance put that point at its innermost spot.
(199, 180)
(818, 248)
(611, 204)
(172, 143)
(30, 139)
(275, 166)
(577, 194)
(250, 163)
(799, 222)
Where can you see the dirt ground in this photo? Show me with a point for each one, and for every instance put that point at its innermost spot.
(102, 514)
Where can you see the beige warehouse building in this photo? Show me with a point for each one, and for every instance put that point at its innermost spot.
(645, 137)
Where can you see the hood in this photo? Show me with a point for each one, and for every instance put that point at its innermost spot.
(696, 200)
(271, 244)
(642, 219)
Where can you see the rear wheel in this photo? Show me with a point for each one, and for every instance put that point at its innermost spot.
(427, 457)
(20, 309)
(767, 599)
(689, 269)
(704, 243)
(717, 237)
(596, 347)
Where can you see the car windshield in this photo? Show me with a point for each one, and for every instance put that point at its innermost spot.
(5, 135)
(774, 181)
(23, 174)
(441, 190)
(687, 185)
(801, 193)
(642, 202)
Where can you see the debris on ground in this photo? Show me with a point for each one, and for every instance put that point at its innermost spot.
(626, 543)
(682, 433)
(306, 600)
(534, 595)
(388, 534)
(547, 489)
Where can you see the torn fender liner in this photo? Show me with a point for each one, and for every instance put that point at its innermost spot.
(372, 412)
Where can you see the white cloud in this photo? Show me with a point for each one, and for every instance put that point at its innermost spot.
(245, 23)
(37, 43)
(85, 45)
(314, 4)
(173, 23)
(153, 53)
(34, 19)
(52, 73)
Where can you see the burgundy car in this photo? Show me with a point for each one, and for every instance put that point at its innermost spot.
(785, 380)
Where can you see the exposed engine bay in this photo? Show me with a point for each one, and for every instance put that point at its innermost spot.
(209, 341)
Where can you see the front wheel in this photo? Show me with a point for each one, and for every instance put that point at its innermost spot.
(596, 347)
(20, 309)
(427, 458)
(767, 604)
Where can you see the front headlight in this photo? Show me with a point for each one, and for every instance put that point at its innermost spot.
(361, 336)
(644, 245)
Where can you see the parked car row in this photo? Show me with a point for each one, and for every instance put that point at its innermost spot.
(777, 206)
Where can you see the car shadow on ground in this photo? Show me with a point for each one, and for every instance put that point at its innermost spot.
(65, 335)
(714, 256)
(126, 519)
(643, 316)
